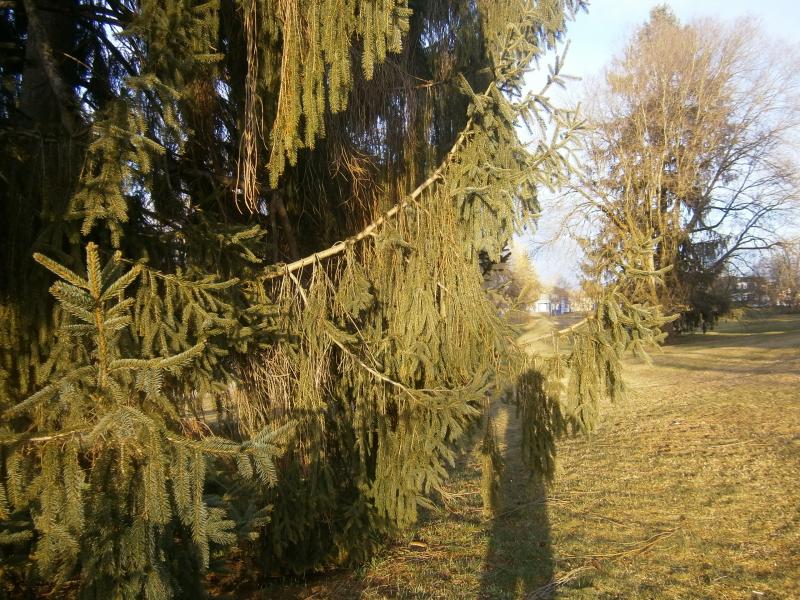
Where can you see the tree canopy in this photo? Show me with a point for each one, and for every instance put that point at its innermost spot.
(688, 145)
(262, 226)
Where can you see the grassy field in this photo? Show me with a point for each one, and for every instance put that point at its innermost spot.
(688, 489)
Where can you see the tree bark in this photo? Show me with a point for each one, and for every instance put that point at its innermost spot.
(45, 97)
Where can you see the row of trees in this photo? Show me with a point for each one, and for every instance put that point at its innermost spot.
(242, 315)
(690, 152)
(778, 276)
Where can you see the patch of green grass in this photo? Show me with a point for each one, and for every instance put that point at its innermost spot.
(690, 488)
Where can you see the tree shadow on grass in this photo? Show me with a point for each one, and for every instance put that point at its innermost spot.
(519, 558)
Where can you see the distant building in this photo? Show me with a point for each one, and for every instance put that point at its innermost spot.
(542, 304)
(550, 303)
(748, 290)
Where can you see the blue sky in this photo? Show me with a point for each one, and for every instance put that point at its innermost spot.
(595, 37)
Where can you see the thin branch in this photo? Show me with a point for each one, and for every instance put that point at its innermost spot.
(562, 332)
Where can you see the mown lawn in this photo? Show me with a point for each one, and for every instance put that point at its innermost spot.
(690, 488)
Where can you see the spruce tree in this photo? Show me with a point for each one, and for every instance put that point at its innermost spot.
(262, 224)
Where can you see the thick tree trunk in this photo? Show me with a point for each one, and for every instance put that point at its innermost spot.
(45, 97)
(41, 160)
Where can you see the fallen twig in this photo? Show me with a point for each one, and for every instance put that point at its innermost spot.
(546, 591)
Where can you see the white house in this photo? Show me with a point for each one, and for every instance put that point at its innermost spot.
(542, 305)
(551, 304)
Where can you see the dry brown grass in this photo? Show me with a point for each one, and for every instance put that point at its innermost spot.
(688, 489)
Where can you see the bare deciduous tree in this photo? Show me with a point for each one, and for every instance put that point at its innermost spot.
(780, 269)
(688, 151)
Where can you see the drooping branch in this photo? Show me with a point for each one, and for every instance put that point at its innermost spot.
(370, 229)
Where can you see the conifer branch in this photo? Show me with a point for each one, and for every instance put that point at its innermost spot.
(369, 230)
(343, 348)
(45, 437)
(549, 154)
(562, 332)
